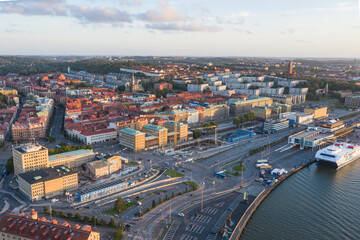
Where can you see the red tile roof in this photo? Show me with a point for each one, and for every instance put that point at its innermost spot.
(20, 225)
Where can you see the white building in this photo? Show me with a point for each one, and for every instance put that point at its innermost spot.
(197, 87)
(99, 136)
(298, 117)
(193, 116)
(298, 91)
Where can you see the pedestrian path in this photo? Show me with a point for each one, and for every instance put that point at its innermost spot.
(201, 218)
(194, 228)
(187, 237)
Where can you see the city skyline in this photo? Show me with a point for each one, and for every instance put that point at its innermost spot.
(296, 28)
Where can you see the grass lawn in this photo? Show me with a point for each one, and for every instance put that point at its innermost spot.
(238, 168)
(173, 173)
(127, 205)
(325, 98)
(132, 163)
(192, 184)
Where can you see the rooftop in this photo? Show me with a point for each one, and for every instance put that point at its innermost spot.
(29, 228)
(131, 131)
(154, 127)
(29, 148)
(71, 154)
(46, 174)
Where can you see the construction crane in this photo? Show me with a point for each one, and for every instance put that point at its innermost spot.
(176, 119)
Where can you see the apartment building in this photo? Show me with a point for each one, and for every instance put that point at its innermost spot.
(29, 158)
(238, 106)
(22, 227)
(319, 112)
(47, 182)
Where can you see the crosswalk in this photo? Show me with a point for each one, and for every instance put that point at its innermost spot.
(210, 210)
(201, 218)
(172, 230)
(187, 237)
(194, 228)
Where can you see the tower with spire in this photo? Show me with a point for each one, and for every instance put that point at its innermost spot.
(133, 85)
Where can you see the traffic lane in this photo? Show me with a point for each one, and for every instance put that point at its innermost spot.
(197, 223)
(240, 151)
(148, 202)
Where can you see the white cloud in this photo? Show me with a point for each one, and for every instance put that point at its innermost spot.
(163, 13)
(185, 27)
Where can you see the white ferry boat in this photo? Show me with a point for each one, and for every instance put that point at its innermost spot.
(339, 154)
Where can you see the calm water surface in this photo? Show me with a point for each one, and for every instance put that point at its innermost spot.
(315, 203)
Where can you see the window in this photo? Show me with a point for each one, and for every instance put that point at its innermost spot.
(327, 155)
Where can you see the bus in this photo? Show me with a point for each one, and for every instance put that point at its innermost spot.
(219, 174)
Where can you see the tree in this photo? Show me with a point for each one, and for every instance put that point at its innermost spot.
(10, 165)
(86, 219)
(165, 108)
(77, 216)
(94, 220)
(153, 203)
(236, 121)
(196, 133)
(69, 215)
(120, 89)
(186, 189)
(112, 222)
(172, 195)
(118, 234)
(61, 213)
(166, 197)
(45, 209)
(53, 212)
(102, 222)
(119, 204)
(160, 200)
(207, 89)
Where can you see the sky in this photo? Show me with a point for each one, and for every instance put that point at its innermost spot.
(259, 28)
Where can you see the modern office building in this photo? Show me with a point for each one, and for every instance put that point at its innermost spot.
(311, 139)
(182, 130)
(160, 132)
(352, 101)
(132, 139)
(72, 159)
(273, 126)
(104, 166)
(47, 182)
(29, 158)
(270, 111)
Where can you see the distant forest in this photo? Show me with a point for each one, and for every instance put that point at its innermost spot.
(26, 66)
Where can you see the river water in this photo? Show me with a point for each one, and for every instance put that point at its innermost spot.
(316, 203)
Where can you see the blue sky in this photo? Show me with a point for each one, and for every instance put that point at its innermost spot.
(278, 28)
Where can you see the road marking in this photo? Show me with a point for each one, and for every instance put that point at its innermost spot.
(210, 210)
(201, 218)
(187, 237)
(172, 230)
(194, 228)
